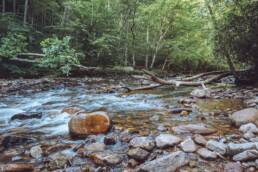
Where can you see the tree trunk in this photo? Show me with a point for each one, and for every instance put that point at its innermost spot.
(147, 50)
(3, 6)
(25, 12)
(14, 6)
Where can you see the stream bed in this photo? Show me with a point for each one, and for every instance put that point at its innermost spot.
(145, 113)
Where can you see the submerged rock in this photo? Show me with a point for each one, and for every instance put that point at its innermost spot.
(85, 124)
(71, 110)
(110, 140)
(206, 154)
(218, 147)
(36, 152)
(249, 115)
(138, 154)
(143, 142)
(95, 147)
(165, 140)
(26, 116)
(168, 163)
(250, 127)
(193, 129)
(233, 167)
(246, 155)
(188, 145)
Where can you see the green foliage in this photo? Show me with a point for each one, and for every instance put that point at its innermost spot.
(58, 54)
(236, 33)
(12, 44)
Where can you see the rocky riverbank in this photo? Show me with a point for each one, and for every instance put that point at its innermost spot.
(84, 128)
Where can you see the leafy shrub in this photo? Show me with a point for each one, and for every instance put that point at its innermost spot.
(13, 44)
(58, 54)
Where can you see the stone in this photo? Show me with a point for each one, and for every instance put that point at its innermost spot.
(193, 129)
(245, 116)
(206, 154)
(71, 110)
(233, 167)
(250, 127)
(132, 163)
(26, 116)
(95, 147)
(105, 158)
(168, 163)
(19, 167)
(36, 152)
(138, 154)
(84, 124)
(12, 140)
(110, 140)
(165, 140)
(142, 142)
(188, 145)
(201, 93)
(247, 155)
(199, 139)
(235, 148)
(218, 147)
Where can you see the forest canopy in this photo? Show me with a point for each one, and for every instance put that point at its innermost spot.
(178, 35)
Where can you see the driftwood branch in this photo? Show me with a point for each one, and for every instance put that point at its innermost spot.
(186, 83)
(183, 82)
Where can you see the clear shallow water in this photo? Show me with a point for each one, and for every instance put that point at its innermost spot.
(140, 112)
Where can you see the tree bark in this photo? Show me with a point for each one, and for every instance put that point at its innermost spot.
(14, 6)
(3, 6)
(147, 49)
(25, 12)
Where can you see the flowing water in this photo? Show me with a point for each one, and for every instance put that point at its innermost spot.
(142, 112)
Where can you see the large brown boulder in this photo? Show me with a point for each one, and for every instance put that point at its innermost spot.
(84, 124)
(249, 115)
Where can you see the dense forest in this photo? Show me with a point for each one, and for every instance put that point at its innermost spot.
(178, 35)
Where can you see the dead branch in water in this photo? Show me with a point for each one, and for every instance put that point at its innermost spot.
(184, 82)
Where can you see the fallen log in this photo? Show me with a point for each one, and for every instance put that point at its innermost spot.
(149, 87)
(177, 83)
(203, 74)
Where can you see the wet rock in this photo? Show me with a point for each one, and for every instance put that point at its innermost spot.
(36, 152)
(246, 155)
(71, 110)
(193, 129)
(95, 147)
(110, 140)
(143, 142)
(233, 167)
(168, 163)
(105, 158)
(199, 139)
(161, 128)
(245, 116)
(84, 124)
(12, 140)
(201, 93)
(165, 140)
(57, 148)
(60, 159)
(26, 116)
(206, 154)
(234, 148)
(19, 167)
(188, 145)
(138, 154)
(218, 147)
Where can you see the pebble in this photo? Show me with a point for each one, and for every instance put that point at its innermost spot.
(218, 147)
(165, 140)
(142, 142)
(206, 154)
(138, 154)
(188, 145)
